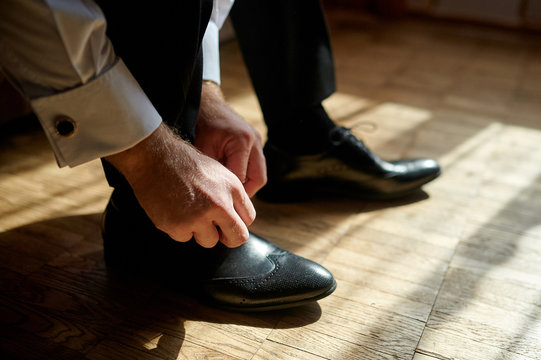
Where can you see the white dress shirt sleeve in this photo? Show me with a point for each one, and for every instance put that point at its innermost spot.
(57, 54)
(211, 40)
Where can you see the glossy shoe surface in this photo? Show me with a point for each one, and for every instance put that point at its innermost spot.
(256, 276)
(347, 168)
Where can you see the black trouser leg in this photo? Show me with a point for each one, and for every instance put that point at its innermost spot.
(285, 44)
(160, 43)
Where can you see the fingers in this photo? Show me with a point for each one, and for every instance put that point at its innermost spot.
(233, 232)
(243, 206)
(227, 222)
(194, 194)
(248, 164)
(229, 229)
(206, 235)
(178, 234)
(233, 221)
(256, 173)
(237, 161)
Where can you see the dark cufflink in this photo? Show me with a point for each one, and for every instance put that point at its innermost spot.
(65, 126)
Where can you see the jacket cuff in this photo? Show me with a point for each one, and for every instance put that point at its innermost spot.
(105, 116)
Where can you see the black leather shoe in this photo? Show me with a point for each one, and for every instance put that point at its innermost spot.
(347, 168)
(256, 276)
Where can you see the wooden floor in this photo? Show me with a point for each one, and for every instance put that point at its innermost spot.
(454, 273)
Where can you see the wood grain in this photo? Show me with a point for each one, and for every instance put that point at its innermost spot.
(450, 273)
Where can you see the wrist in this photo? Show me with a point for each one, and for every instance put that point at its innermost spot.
(210, 83)
(211, 91)
(133, 162)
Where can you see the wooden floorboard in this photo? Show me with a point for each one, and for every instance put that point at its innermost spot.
(453, 272)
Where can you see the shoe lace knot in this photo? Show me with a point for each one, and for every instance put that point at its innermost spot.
(339, 134)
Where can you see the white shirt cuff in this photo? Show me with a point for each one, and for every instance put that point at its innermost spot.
(105, 116)
(211, 53)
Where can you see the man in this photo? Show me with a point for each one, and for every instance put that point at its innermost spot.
(179, 210)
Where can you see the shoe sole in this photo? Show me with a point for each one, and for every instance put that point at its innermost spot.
(273, 307)
(307, 190)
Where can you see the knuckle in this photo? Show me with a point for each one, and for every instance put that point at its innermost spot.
(183, 238)
(180, 236)
(258, 136)
(246, 137)
(236, 242)
(220, 205)
(238, 228)
(240, 196)
(251, 217)
(206, 243)
(263, 179)
(207, 237)
(176, 231)
(237, 190)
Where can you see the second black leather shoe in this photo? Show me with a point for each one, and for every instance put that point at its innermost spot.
(256, 276)
(347, 168)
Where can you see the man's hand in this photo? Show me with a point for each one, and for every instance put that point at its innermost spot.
(224, 136)
(186, 193)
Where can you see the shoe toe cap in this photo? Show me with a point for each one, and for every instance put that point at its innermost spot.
(415, 170)
(293, 281)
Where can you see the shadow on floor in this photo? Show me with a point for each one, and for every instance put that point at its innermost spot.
(58, 300)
